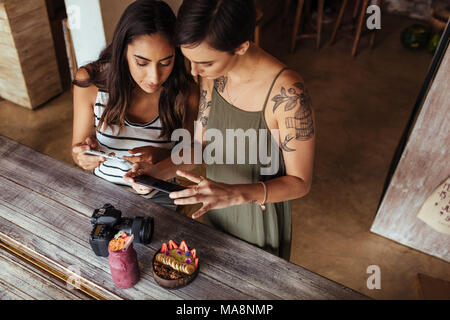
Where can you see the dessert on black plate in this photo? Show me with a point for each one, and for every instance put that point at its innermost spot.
(175, 266)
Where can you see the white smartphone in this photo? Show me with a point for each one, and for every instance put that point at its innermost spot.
(102, 154)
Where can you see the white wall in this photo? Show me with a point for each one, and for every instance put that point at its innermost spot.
(93, 23)
(87, 30)
(112, 10)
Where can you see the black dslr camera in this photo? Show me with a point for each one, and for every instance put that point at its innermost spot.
(108, 221)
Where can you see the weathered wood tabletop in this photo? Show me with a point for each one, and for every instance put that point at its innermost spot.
(45, 210)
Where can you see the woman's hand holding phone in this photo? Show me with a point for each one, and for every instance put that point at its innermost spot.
(138, 169)
(143, 159)
(87, 162)
(213, 195)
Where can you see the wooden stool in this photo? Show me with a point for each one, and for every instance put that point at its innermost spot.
(362, 14)
(298, 14)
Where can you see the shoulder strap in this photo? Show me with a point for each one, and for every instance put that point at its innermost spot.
(271, 87)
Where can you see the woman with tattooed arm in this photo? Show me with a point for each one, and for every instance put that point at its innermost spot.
(243, 87)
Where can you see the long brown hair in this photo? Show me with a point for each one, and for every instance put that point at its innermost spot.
(111, 73)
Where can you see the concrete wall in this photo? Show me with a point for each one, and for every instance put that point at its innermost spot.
(94, 22)
(88, 37)
(113, 9)
(111, 12)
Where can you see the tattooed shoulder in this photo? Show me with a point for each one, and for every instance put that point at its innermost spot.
(220, 83)
(296, 97)
(204, 104)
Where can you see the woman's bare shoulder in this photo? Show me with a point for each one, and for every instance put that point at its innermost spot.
(82, 74)
(83, 89)
(288, 93)
(290, 78)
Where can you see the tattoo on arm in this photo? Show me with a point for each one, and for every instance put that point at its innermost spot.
(204, 105)
(302, 121)
(220, 83)
(284, 146)
(204, 121)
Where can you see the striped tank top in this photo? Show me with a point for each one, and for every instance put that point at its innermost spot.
(132, 136)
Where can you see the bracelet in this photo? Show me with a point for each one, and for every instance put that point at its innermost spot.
(262, 204)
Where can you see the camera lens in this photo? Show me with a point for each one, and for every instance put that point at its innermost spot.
(147, 230)
(142, 228)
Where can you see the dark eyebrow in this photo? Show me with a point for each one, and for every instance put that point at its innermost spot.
(166, 58)
(202, 62)
(142, 57)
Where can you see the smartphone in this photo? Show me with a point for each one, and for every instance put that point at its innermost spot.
(158, 184)
(102, 154)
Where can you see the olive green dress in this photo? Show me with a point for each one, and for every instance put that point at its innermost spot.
(269, 229)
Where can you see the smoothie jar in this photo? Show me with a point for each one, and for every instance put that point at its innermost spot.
(124, 267)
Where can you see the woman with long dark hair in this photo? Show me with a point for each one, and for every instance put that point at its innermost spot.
(129, 101)
(248, 92)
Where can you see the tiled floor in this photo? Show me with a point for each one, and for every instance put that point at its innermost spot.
(362, 106)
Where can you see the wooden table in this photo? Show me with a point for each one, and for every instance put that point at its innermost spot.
(45, 210)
